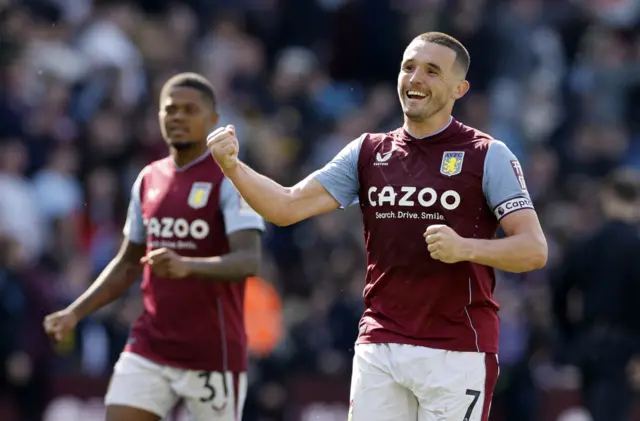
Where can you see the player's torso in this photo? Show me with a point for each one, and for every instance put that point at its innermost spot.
(190, 322)
(181, 209)
(407, 185)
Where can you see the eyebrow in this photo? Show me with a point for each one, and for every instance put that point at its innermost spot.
(433, 65)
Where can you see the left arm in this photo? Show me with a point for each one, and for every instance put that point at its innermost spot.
(241, 262)
(524, 248)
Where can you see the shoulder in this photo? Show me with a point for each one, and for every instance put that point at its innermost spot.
(378, 148)
(147, 169)
(159, 165)
(378, 138)
(149, 172)
(484, 147)
(379, 142)
(167, 161)
(478, 140)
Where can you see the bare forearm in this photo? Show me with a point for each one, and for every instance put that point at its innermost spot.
(517, 253)
(112, 283)
(232, 267)
(264, 195)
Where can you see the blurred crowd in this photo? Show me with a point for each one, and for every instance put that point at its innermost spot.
(557, 80)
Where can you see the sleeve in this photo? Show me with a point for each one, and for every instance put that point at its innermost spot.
(236, 212)
(340, 176)
(134, 225)
(503, 181)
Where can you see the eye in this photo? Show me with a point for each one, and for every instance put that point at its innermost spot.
(408, 67)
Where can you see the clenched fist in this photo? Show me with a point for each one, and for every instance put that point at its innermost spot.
(166, 263)
(224, 147)
(60, 324)
(445, 244)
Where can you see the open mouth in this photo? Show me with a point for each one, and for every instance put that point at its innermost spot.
(412, 94)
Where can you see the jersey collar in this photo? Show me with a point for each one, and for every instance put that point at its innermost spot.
(446, 126)
(192, 163)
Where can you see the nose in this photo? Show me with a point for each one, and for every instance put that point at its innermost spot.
(417, 78)
(178, 116)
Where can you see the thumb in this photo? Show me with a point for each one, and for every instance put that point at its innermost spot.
(144, 260)
(231, 129)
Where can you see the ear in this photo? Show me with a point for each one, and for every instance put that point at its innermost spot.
(461, 90)
(214, 119)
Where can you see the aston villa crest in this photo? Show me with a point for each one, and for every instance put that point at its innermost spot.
(451, 163)
(199, 194)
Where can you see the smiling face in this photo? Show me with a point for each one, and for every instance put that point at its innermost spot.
(186, 117)
(430, 80)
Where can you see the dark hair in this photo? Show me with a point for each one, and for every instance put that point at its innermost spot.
(624, 184)
(463, 59)
(193, 81)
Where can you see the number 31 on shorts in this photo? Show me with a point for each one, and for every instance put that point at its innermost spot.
(213, 389)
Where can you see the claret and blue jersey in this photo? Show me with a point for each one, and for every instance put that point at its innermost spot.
(189, 323)
(459, 177)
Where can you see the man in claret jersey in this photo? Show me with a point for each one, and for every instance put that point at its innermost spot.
(197, 241)
(432, 194)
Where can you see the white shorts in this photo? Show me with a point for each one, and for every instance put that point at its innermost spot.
(209, 396)
(392, 382)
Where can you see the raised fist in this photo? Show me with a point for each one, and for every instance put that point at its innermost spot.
(224, 147)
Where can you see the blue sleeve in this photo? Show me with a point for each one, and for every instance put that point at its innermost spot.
(134, 226)
(236, 212)
(503, 181)
(340, 176)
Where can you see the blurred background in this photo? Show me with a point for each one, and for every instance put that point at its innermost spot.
(557, 80)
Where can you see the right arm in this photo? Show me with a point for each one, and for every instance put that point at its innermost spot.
(278, 204)
(113, 282)
(333, 186)
(123, 270)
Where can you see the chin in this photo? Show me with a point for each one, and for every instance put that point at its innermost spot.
(415, 115)
(181, 145)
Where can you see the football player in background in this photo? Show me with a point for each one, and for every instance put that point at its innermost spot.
(195, 241)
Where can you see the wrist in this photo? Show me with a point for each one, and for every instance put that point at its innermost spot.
(188, 263)
(233, 171)
(468, 249)
(75, 313)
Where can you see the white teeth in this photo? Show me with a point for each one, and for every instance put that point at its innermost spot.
(416, 93)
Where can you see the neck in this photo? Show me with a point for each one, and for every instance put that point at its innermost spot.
(186, 156)
(429, 126)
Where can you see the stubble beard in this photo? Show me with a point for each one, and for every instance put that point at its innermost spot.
(423, 114)
(182, 145)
